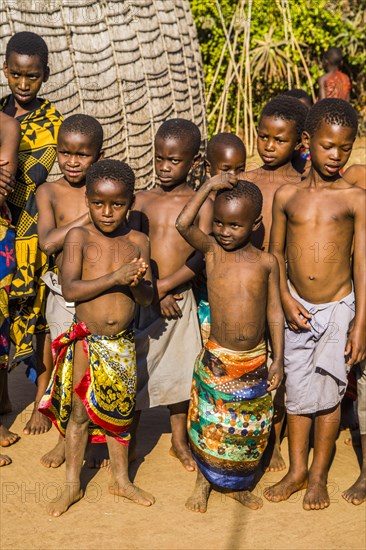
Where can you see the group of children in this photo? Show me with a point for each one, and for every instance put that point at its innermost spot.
(254, 264)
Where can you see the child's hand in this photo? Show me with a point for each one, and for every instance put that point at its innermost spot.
(224, 180)
(355, 347)
(275, 375)
(297, 316)
(7, 180)
(169, 307)
(131, 274)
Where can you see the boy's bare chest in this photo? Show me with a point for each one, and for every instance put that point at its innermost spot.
(102, 255)
(68, 207)
(237, 269)
(322, 211)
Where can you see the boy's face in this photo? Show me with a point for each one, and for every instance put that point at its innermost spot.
(108, 202)
(25, 75)
(277, 140)
(75, 153)
(173, 161)
(228, 159)
(233, 222)
(330, 148)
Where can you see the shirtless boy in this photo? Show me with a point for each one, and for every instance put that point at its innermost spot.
(225, 154)
(314, 225)
(105, 271)
(9, 143)
(279, 137)
(168, 339)
(230, 415)
(61, 206)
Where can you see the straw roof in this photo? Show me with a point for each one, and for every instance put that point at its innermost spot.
(131, 64)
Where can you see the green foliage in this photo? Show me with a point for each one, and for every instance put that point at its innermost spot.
(316, 25)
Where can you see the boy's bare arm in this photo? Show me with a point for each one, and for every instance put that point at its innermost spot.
(51, 237)
(356, 345)
(321, 83)
(143, 291)
(275, 322)
(9, 144)
(192, 233)
(296, 315)
(74, 288)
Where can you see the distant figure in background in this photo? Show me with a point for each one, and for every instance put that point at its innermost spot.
(334, 83)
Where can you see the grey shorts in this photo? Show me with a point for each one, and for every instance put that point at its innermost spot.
(59, 314)
(315, 365)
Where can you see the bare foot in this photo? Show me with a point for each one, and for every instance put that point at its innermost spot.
(277, 463)
(7, 437)
(70, 494)
(353, 441)
(183, 454)
(285, 488)
(55, 457)
(132, 492)
(316, 496)
(5, 460)
(38, 423)
(357, 493)
(247, 499)
(97, 456)
(197, 502)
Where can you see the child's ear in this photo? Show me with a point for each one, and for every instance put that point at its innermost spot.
(46, 74)
(5, 69)
(86, 199)
(298, 145)
(101, 155)
(305, 139)
(257, 223)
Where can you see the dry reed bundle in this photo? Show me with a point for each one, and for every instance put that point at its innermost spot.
(131, 64)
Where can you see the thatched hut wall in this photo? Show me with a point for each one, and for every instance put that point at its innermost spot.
(131, 64)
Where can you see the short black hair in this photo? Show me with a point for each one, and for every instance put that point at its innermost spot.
(298, 93)
(110, 169)
(28, 43)
(181, 129)
(334, 56)
(226, 139)
(331, 111)
(85, 125)
(287, 108)
(249, 191)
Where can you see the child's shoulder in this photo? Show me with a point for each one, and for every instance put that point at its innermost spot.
(143, 198)
(8, 124)
(356, 175)
(138, 237)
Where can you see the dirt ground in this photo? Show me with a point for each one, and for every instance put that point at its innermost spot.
(102, 521)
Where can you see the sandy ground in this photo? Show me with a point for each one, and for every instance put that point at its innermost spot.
(101, 521)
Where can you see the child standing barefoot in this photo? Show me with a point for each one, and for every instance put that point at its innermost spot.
(314, 226)
(105, 270)
(168, 335)
(230, 414)
(279, 138)
(61, 206)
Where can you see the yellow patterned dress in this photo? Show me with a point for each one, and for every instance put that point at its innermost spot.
(107, 389)
(37, 154)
